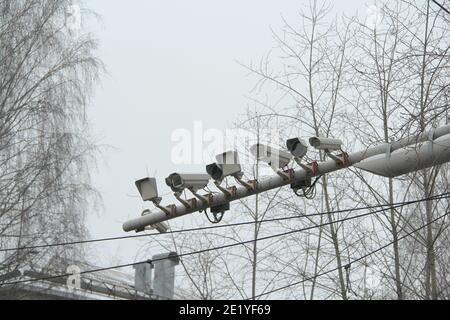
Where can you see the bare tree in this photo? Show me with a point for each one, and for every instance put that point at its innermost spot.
(400, 87)
(365, 81)
(310, 80)
(367, 84)
(47, 73)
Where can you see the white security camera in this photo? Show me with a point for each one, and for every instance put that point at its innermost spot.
(276, 158)
(147, 188)
(192, 181)
(227, 165)
(297, 147)
(327, 144)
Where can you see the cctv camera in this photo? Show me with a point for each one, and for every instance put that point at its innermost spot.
(192, 181)
(297, 147)
(328, 144)
(276, 158)
(147, 188)
(227, 165)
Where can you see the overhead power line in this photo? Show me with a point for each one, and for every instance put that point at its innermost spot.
(352, 262)
(194, 252)
(384, 206)
(441, 6)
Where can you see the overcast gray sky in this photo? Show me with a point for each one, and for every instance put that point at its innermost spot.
(170, 63)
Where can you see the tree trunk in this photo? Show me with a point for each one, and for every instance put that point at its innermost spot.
(337, 251)
(398, 280)
(430, 281)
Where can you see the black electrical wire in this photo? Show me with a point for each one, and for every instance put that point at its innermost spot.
(389, 206)
(217, 217)
(352, 262)
(195, 252)
(441, 6)
(309, 192)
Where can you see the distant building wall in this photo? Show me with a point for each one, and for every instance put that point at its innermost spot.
(164, 280)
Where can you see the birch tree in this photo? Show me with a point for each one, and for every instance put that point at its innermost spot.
(47, 72)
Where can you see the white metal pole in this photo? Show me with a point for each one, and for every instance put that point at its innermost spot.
(301, 174)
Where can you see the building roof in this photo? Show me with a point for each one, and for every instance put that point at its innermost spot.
(105, 284)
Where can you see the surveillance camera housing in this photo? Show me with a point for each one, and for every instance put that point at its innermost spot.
(214, 171)
(147, 188)
(276, 158)
(227, 165)
(321, 143)
(297, 147)
(192, 181)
